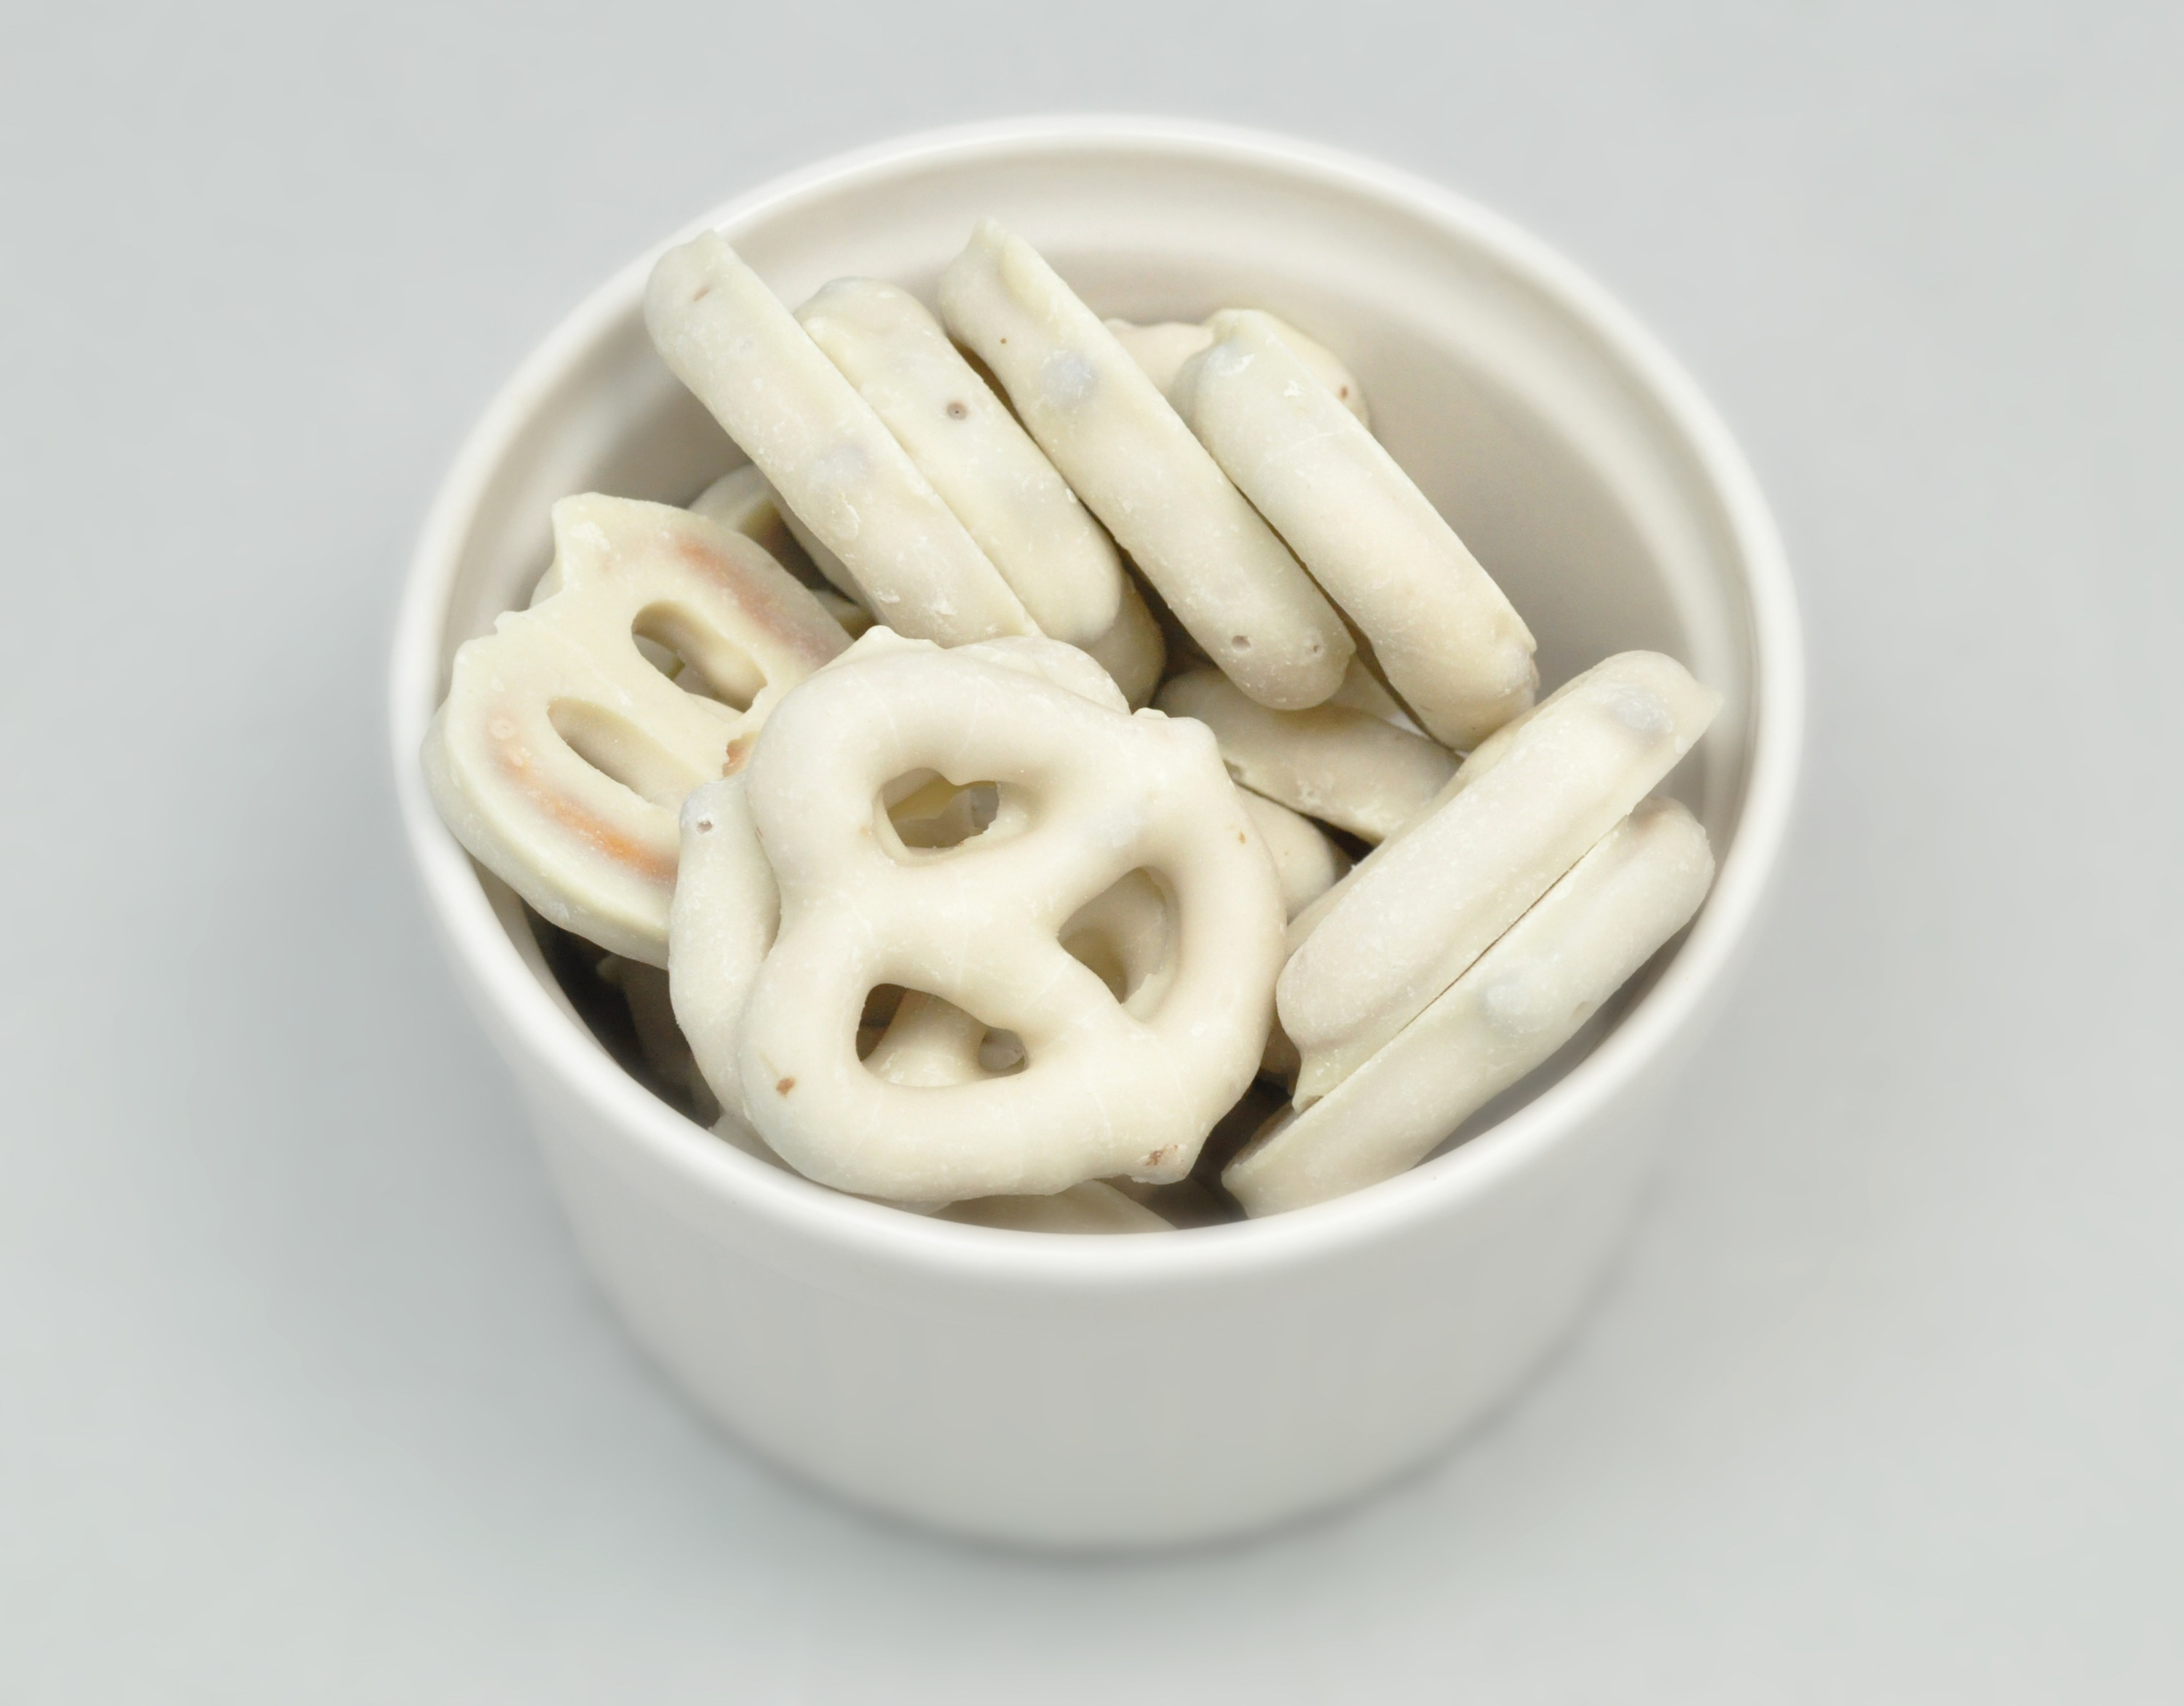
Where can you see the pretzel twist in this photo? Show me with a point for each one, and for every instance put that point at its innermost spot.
(1342, 766)
(1128, 456)
(1098, 810)
(1377, 948)
(562, 752)
(1512, 1010)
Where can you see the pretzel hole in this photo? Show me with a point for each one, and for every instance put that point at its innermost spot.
(620, 750)
(1128, 936)
(924, 813)
(931, 1043)
(880, 1006)
(690, 653)
(1002, 1052)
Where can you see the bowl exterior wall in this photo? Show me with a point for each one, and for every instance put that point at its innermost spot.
(1108, 1418)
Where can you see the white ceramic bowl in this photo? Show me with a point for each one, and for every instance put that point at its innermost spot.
(1090, 1391)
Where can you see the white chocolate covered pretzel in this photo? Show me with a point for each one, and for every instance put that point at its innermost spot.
(743, 502)
(1446, 639)
(1521, 1000)
(930, 1043)
(1089, 795)
(725, 913)
(937, 813)
(832, 569)
(1217, 565)
(1407, 922)
(1162, 348)
(728, 907)
(1343, 766)
(1307, 863)
(822, 448)
(1363, 690)
(1053, 555)
(1133, 651)
(561, 755)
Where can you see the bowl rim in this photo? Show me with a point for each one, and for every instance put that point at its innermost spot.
(1438, 1189)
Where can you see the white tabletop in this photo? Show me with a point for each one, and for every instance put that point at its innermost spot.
(302, 1394)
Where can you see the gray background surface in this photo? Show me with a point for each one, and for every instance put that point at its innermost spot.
(303, 1395)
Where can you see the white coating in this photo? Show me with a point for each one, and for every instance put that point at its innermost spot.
(1055, 558)
(742, 501)
(1407, 921)
(1162, 348)
(832, 569)
(1127, 455)
(932, 1042)
(1344, 767)
(1089, 795)
(1521, 1000)
(1446, 639)
(1363, 690)
(1132, 651)
(562, 753)
(830, 458)
(726, 912)
(1305, 862)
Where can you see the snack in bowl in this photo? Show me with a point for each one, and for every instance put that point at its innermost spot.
(823, 449)
(1055, 556)
(563, 752)
(1129, 456)
(947, 923)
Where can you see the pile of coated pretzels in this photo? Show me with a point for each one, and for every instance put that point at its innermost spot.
(978, 888)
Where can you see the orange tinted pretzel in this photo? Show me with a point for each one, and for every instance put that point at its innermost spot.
(563, 751)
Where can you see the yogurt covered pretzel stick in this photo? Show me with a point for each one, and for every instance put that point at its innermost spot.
(1522, 1000)
(1218, 566)
(823, 449)
(1406, 923)
(1449, 643)
(1025, 518)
